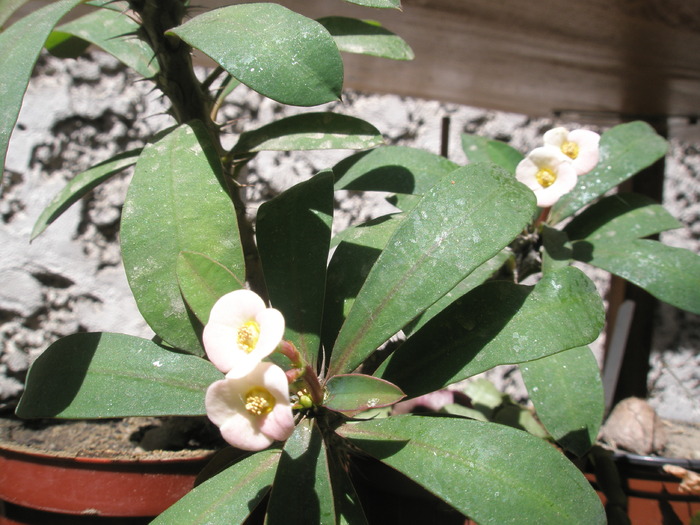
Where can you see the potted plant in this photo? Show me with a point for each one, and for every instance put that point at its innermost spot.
(284, 335)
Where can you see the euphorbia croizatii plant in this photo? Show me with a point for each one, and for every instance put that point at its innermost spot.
(278, 332)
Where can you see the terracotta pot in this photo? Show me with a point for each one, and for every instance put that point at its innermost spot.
(652, 496)
(33, 485)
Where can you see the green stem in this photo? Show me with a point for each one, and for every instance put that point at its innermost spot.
(191, 101)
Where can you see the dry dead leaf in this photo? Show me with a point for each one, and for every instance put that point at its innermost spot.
(690, 483)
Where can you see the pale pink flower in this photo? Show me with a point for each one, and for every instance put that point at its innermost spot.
(547, 172)
(252, 411)
(580, 145)
(241, 332)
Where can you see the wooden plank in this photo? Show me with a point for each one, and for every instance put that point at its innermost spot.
(638, 58)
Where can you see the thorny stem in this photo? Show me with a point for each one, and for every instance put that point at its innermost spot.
(191, 101)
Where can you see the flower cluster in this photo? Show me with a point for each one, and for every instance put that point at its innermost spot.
(552, 170)
(251, 404)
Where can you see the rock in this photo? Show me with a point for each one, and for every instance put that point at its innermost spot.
(634, 426)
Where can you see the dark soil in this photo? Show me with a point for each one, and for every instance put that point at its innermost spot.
(143, 438)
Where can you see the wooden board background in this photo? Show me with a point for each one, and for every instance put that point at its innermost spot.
(638, 58)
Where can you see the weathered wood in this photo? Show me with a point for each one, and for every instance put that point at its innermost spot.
(638, 58)
(634, 57)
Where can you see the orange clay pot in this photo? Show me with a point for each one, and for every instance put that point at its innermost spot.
(652, 495)
(42, 488)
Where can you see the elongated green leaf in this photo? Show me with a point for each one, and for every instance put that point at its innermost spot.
(20, 45)
(225, 90)
(625, 150)
(482, 149)
(349, 510)
(498, 323)
(621, 217)
(175, 203)
(203, 281)
(374, 233)
(293, 232)
(557, 249)
(97, 375)
(310, 131)
(274, 51)
(65, 45)
(354, 393)
(568, 395)
(366, 37)
(489, 472)
(441, 241)
(7, 8)
(302, 481)
(80, 185)
(115, 33)
(478, 276)
(396, 169)
(228, 497)
(356, 252)
(393, 4)
(670, 274)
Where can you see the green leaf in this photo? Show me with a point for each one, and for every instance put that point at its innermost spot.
(366, 37)
(175, 203)
(203, 281)
(115, 33)
(625, 150)
(80, 185)
(226, 88)
(348, 507)
(397, 169)
(302, 493)
(620, 217)
(482, 149)
(65, 45)
(310, 131)
(392, 4)
(607, 234)
(670, 274)
(274, 51)
(498, 323)
(441, 241)
(482, 273)
(557, 249)
(489, 472)
(20, 45)
(98, 375)
(293, 233)
(228, 497)
(567, 392)
(354, 393)
(357, 250)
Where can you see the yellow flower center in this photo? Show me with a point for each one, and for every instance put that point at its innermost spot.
(259, 401)
(545, 177)
(248, 335)
(570, 149)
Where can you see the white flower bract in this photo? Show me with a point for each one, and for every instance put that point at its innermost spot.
(580, 145)
(547, 172)
(252, 411)
(241, 332)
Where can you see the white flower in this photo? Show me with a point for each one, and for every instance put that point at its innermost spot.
(580, 145)
(547, 172)
(241, 332)
(252, 411)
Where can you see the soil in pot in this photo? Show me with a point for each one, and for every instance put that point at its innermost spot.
(126, 469)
